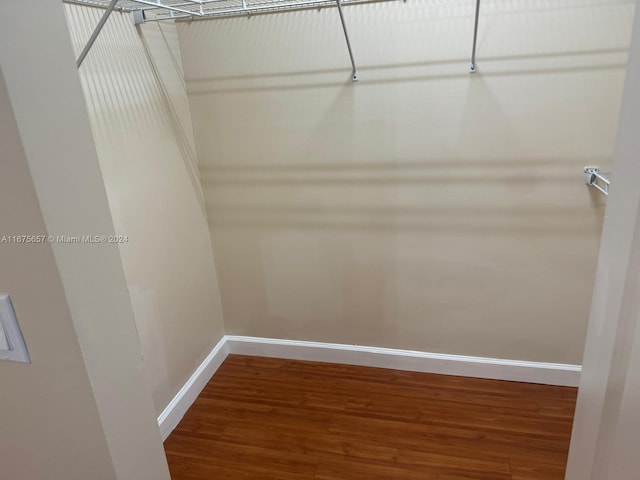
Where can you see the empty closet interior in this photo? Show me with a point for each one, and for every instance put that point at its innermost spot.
(407, 175)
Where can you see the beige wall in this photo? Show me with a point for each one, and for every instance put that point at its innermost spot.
(81, 409)
(141, 123)
(41, 402)
(421, 208)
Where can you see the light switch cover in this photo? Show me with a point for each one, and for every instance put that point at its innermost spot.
(12, 346)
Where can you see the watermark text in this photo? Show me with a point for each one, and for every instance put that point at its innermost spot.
(77, 239)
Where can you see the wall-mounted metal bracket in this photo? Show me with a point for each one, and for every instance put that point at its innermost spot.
(138, 17)
(594, 178)
(354, 69)
(473, 68)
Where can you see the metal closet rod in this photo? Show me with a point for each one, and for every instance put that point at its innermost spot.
(246, 9)
(140, 19)
(95, 4)
(473, 67)
(202, 13)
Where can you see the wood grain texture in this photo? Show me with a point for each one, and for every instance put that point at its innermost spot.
(264, 418)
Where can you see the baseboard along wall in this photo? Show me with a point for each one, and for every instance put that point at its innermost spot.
(459, 365)
(178, 406)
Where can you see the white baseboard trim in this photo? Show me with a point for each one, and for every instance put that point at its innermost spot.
(178, 406)
(411, 360)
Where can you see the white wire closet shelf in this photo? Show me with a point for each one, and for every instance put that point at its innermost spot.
(155, 10)
(194, 9)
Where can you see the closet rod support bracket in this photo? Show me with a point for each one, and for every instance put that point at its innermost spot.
(472, 65)
(594, 178)
(354, 69)
(96, 32)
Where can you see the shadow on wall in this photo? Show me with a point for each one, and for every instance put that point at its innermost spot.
(338, 139)
(368, 205)
(583, 61)
(397, 66)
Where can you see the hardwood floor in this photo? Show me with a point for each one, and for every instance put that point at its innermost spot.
(268, 419)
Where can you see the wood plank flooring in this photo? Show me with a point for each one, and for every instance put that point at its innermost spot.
(271, 419)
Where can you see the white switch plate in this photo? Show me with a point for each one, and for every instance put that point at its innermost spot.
(12, 346)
